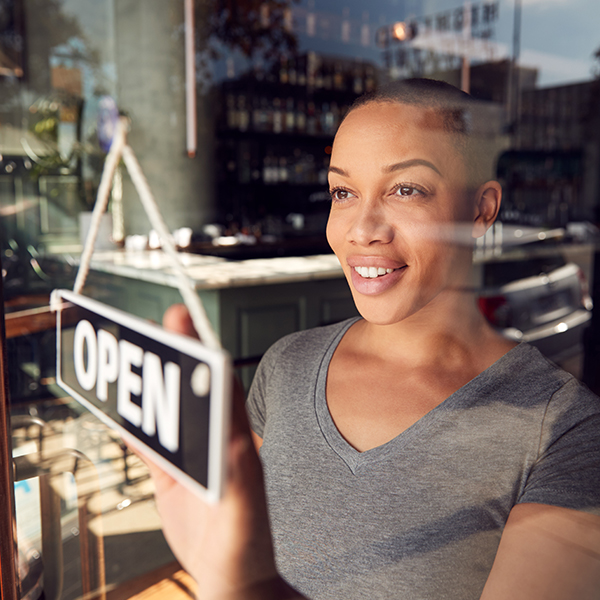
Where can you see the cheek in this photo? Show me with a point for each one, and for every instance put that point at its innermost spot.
(421, 237)
(432, 231)
(429, 248)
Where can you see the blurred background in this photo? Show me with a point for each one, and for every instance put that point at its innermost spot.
(233, 105)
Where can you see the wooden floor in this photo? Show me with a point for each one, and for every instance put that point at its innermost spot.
(167, 583)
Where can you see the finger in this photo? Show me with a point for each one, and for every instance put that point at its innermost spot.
(239, 418)
(177, 318)
(245, 469)
(162, 480)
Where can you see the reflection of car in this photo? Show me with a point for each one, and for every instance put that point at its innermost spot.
(541, 300)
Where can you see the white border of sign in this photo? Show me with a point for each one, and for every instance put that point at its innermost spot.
(220, 399)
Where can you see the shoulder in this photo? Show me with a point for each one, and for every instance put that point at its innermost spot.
(526, 378)
(566, 470)
(567, 390)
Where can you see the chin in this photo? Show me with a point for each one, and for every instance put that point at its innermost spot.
(377, 311)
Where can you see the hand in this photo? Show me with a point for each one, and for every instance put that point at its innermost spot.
(226, 547)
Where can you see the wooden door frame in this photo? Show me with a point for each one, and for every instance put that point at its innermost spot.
(8, 545)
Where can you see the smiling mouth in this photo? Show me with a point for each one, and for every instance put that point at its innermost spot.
(373, 272)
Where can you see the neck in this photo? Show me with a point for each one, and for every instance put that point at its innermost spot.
(450, 329)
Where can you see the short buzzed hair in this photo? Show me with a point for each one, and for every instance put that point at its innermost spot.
(455, 111)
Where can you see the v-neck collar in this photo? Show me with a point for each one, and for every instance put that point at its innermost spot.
(352, 457)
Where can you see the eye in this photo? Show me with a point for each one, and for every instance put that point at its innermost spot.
(340, 194)
(408, 190)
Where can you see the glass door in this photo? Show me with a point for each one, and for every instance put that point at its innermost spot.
(77, 508)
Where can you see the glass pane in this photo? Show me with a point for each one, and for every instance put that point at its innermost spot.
(75, 480)
(236, 151)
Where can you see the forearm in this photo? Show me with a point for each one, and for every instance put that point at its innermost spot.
(547, 553)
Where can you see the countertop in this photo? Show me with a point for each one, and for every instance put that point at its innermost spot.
(209, 272)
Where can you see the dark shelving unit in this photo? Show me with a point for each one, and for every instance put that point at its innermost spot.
(275, 129)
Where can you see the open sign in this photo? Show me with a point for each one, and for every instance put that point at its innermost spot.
(169, 392)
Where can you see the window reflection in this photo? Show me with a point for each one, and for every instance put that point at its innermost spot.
(273, 80)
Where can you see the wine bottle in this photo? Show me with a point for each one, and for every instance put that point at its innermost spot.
(370, 78)
(292, 72)
(277, 116)
(243, 115)
(311, 119)
(357, 83)
(290, 116)
(301, 117)
(327, 76)
(232, 121)
(335, 116)
(256, 114)
(283, 170)
(338, 78)
(311, 70)
(283, 71)
(302, 71)
(326, 119)
(323, 171)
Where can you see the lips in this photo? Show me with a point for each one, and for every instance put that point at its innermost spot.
(374, 275)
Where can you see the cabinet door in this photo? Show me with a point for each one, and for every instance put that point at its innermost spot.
(253, 318)
(260, 326)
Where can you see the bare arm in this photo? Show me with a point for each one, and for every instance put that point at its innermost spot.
(227, 547)
(547, 553)
(257, 441)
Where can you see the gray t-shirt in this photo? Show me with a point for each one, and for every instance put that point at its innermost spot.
(421, 516)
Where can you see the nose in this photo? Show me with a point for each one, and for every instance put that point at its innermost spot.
(370, 225)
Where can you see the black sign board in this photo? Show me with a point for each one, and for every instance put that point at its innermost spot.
(167, 391)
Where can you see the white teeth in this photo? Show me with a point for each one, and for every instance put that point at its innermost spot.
(372, 272)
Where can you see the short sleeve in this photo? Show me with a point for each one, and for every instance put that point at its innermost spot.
(567, 470)
(257, 402)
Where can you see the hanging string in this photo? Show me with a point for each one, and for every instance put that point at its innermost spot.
(116, 208)
(119, 149)
(110, 165)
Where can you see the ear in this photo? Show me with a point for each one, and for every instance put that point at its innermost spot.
(487, 206)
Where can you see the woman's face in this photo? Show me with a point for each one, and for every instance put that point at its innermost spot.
(399, 198)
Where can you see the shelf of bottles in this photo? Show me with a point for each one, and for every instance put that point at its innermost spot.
(275, 130)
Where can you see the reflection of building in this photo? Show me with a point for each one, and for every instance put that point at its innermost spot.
(556, 118)
(541, 187)
(489, 81)
(549, 170)
(557, 137)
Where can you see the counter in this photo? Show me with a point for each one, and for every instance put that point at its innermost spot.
(209, 272)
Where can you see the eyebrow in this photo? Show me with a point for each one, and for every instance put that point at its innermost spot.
(395, 167)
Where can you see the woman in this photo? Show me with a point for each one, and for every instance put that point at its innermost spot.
(413, 453)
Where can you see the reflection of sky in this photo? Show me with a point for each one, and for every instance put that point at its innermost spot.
(564, 28)
(558, 37)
